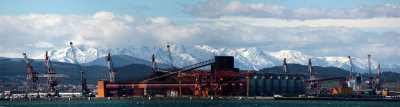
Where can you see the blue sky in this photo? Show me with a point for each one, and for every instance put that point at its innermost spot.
(166, 8)
(316, 27)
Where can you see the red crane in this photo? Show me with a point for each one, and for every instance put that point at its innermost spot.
(51, 77)
(31, 78)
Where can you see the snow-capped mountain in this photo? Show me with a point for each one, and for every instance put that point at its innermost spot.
(245, 58)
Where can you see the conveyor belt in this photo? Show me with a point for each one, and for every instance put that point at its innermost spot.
(186, 68)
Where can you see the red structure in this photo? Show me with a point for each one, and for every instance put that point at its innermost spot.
(32, 77)
(222, 80)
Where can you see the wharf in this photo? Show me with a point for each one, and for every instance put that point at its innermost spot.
(205, 98)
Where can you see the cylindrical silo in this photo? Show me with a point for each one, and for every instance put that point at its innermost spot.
(299, 86)
(252, 86)
(268, 85)
(276, 85)
(284, 83)
(260, 86)
(291, 86)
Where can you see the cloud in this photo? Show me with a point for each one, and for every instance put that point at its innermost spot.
(35, 33)
(41, 44)
(273, 22)
(217, 8)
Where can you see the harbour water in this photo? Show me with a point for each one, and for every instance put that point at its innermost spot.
(197, 103)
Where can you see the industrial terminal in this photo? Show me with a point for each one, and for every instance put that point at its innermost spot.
(218, 78)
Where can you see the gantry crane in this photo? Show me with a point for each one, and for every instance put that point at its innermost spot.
(31, 78)
(85, 90)
(51, 77)
(110, 68)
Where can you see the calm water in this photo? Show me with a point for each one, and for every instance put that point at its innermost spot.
(198, 103)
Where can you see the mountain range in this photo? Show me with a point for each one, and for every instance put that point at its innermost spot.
(251, 58)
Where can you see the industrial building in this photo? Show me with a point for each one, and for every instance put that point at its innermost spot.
(221, 80)
(277, 84)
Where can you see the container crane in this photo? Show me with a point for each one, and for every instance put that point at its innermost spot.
(31, 78)
(85, 90)
(110, 68)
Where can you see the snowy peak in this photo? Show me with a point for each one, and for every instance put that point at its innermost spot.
(294, 56)
(83, 53)
(245, 58)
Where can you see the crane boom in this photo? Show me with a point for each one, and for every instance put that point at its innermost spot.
(351, 68)
(51, 79)
(31, 77)
(85, 91)
(170, 57)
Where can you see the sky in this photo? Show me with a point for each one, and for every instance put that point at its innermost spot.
(315, 27)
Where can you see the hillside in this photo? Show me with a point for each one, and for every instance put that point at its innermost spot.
(15, 71)
(329, 72)
(320, 72)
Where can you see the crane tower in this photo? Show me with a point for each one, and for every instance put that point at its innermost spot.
(85, 90)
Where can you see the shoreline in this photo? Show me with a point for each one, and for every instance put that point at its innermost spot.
(204, 98)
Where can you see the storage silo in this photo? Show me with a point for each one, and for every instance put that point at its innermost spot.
(291, 86)
(260, 86)
(252, 86)
(268, 85)
(276, 85)
(299, 86)
(284, 85)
